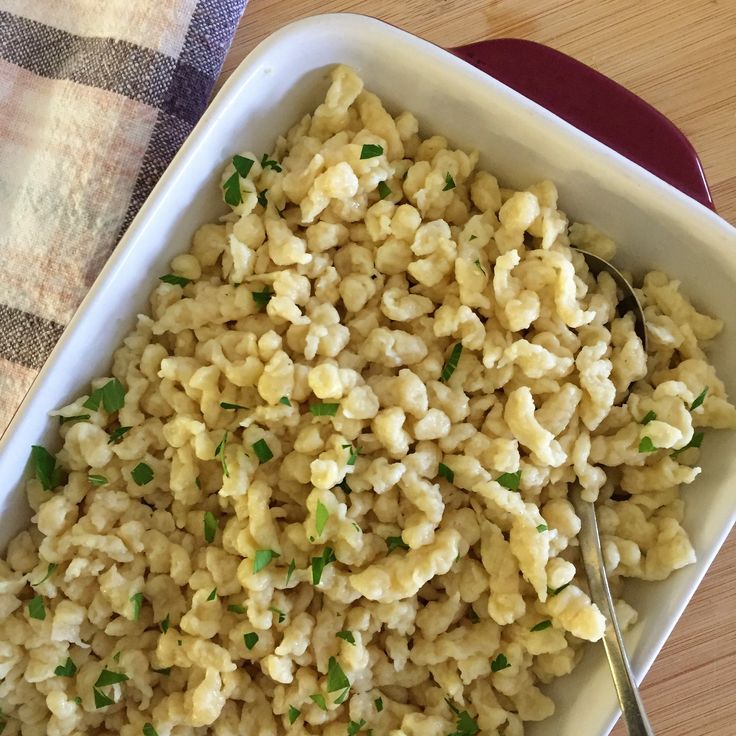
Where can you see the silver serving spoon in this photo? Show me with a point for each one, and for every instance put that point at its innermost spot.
(630, 302)
(632, 709)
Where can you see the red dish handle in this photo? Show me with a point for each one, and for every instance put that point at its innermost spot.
(596, 105)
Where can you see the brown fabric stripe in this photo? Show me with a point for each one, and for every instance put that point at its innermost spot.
(25, 338)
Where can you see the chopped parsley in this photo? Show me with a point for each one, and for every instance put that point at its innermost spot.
(97, 480)
(699, 399)
(384, 190)
(472, 238)
(137, 601)
(262, 451)
(108, 677)
(346, 489)
(466, 725)
(111, 395)
(36, 608)
(542, 528)
(294, 713)
(213, 594)
(542, 625)
(233, 195)
(164, 625)
(279, 613)
(378, 702)
(116, 657)
(319, 564)
(172, 278)
(77, 418)
(220, 451)
(696, 441)
(285, 401)
(68, 669)
(142, 474)
(242, 165)
(149, 730)
(646, 445)
(449, 182)
(263, 558)
(510, 481)
(228, 405)
(552, 592)
(290, 571)
(210, 527)
(321, 516)
(395, 543)
(165, 672)
(269, 163)
(353, 453)
(262, 198)
(346, 636)
(117, 434)
(49, 572)
(236, 608)
(44, 466)
(262, 298)
(449, 367)
(340, 699)
(336, 678)
(101, 700)
(500, 663)
(355, 726)
(649, 417)
(480, 266)
(446, 473)
(250, 639)
(319, 700)
(324, 410)
(370, 150)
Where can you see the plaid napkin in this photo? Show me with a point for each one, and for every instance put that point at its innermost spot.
(95, 100)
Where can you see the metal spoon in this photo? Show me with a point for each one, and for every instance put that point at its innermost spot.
(632, 709)
(630, 302)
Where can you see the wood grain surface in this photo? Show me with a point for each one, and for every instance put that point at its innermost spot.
(680, 56)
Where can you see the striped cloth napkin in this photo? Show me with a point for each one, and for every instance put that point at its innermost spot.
(95, 100)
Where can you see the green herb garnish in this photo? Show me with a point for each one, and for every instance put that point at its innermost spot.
(220, 451)
(233, 195)
(449, 182)
(552, 592)
(370, 150)
(263, 558)
(699, 399)
(172, 278)
(116, 657)
(319, 700)
(542, 528)
(210, 527)
(649, 416)
(267, 163)
(44, 466)
(262, 198)
(285, 401)
(510, 481)
(68, 669)
(107, 677)
(142, 474)
(336, 678)
(355, 726)
(449, 367)
(228, 405)
(290, 571)
(447, 473)
(696, 441)
(353, 453)
(281, 615)
(77, 418)
(646, 445)
(346, 636)
(164, 625)
(383, 190)
(324, 410)
(346, 489)
(101, 700)
(112, 396)
(262, 298)
(499, 663)
(117, 434)
(321, 516)
(49, 572)
(213, 594)
(262, 450)
(395, 543)
(378, 702)
(236, 608)
(242, 165)
(137, 601)
(250, 639)
(149, 730)
(319, 564)
(294, 713)
(480, 266)
(542, 625)
(36, 608)
(97, 480)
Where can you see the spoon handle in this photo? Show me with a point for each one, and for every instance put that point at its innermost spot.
(632, 708)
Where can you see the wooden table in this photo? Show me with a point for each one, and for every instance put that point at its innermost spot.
(679, 55)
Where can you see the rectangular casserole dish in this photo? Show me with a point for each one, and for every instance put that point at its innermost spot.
(656, 227)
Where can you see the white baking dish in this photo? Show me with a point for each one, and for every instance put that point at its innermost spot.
(655, 225)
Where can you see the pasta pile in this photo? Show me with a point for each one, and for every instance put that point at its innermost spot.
(325, 489)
